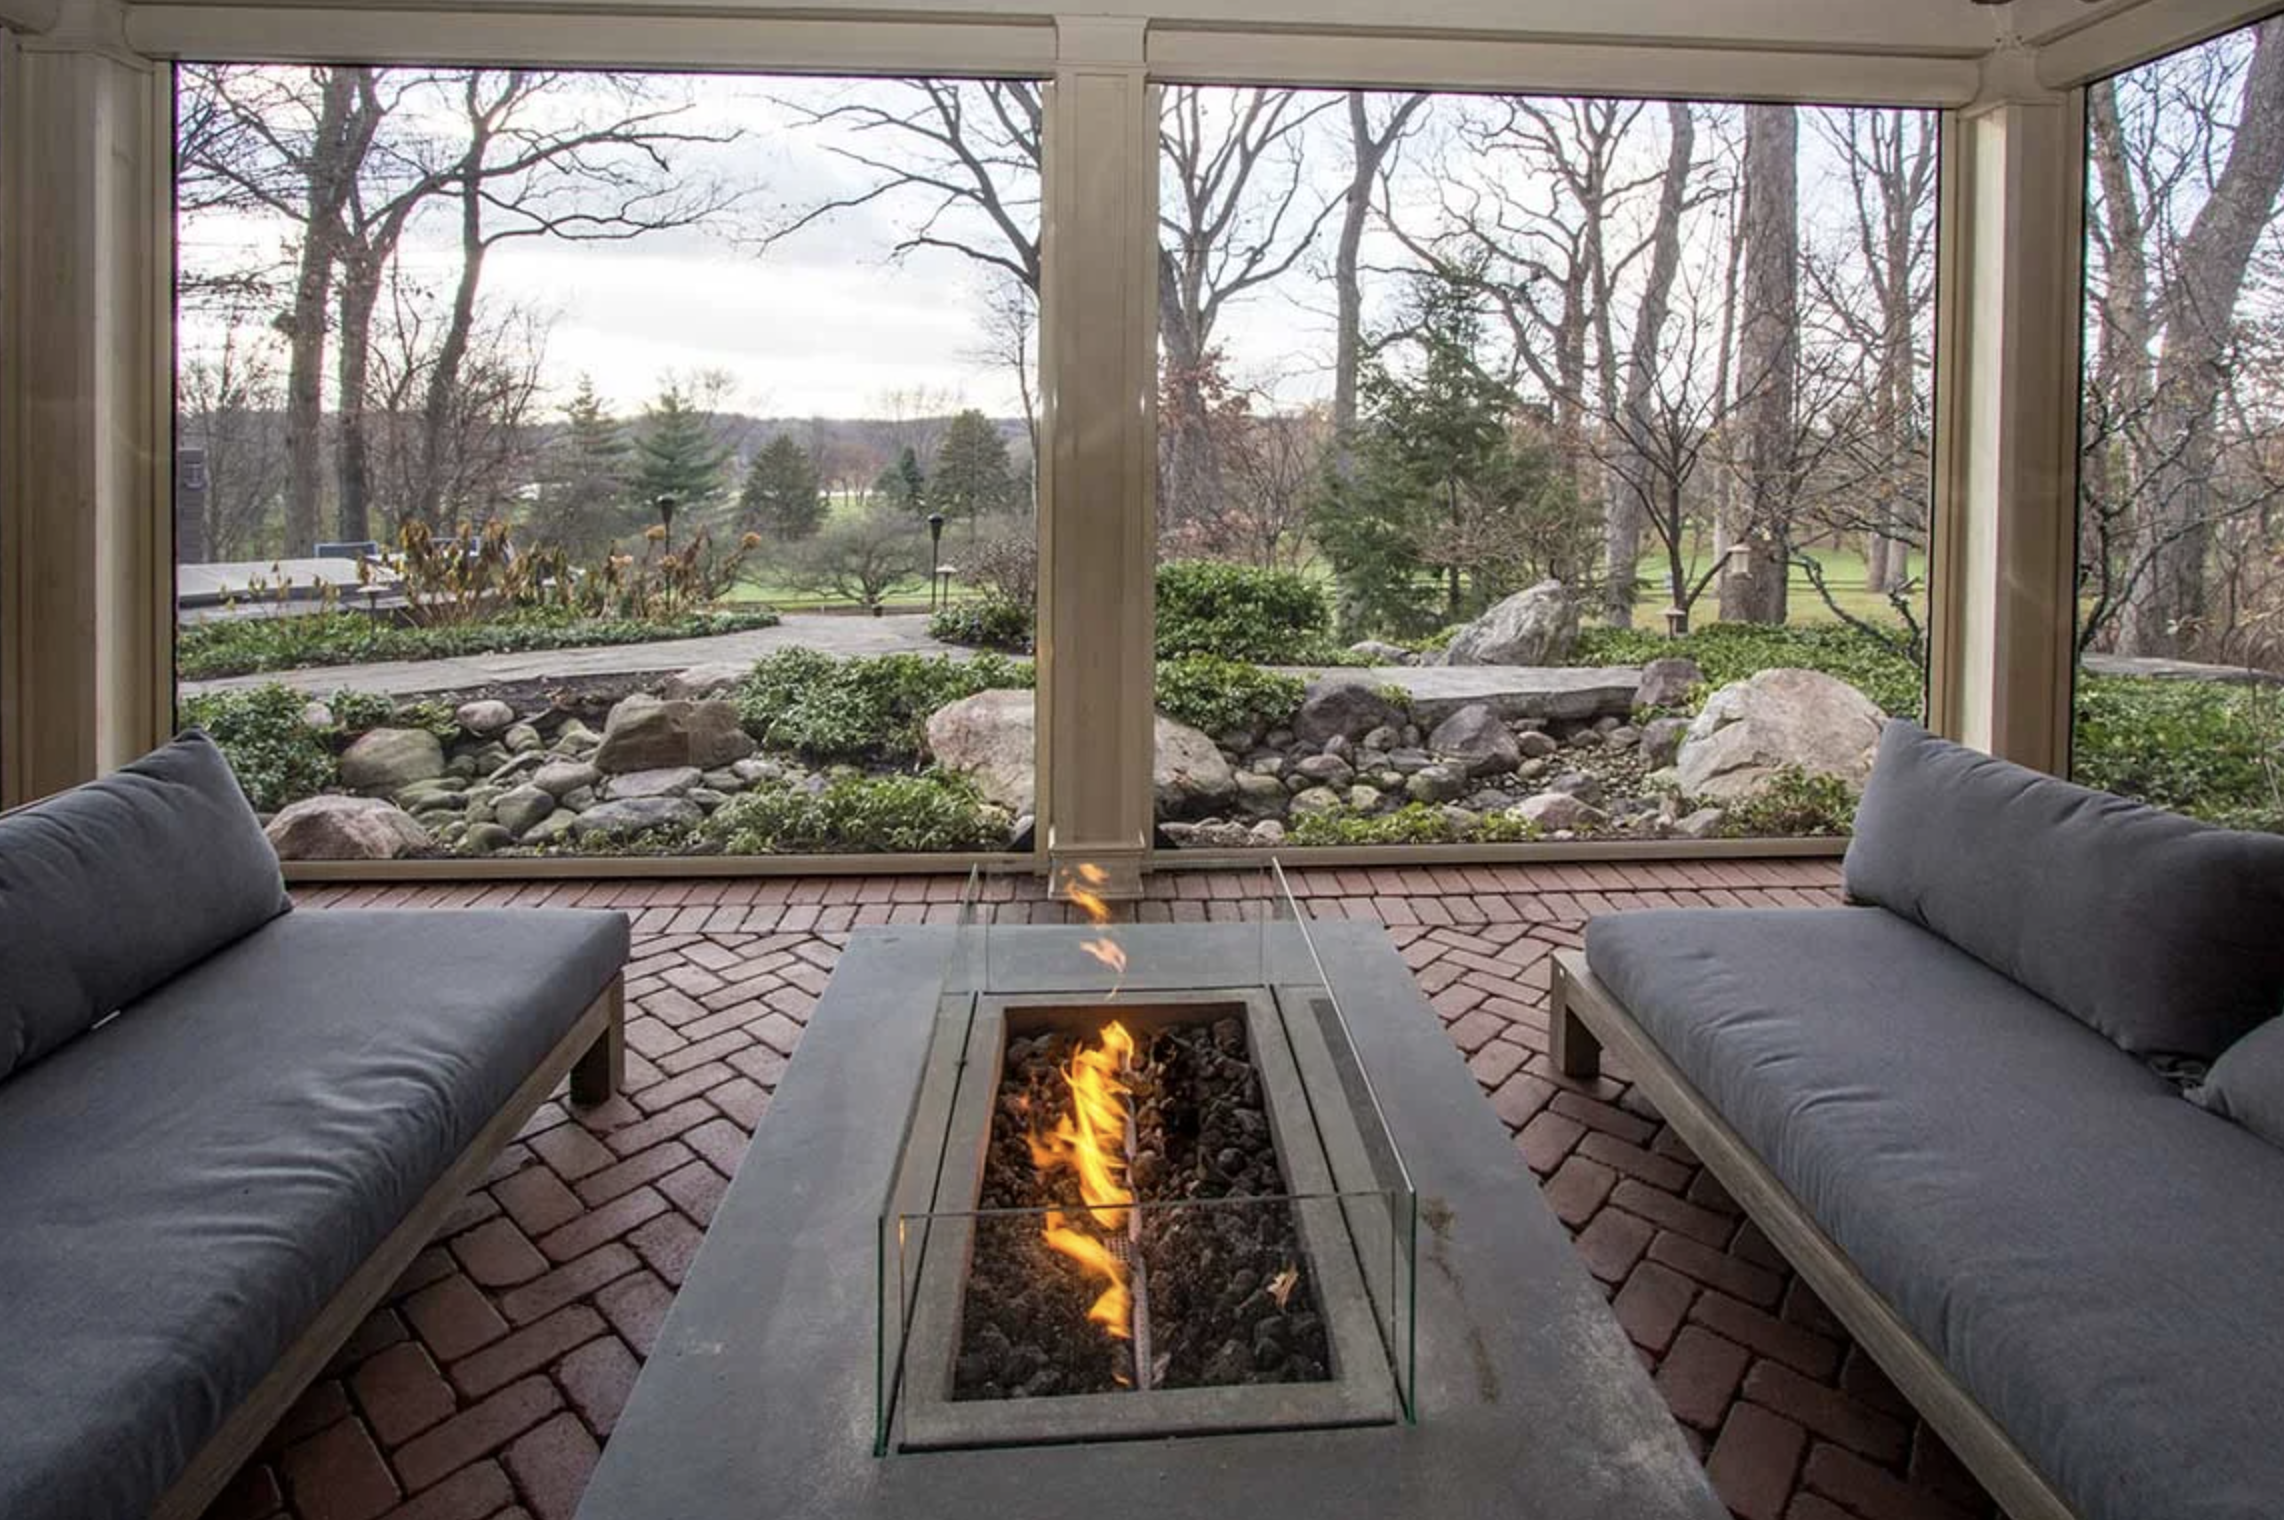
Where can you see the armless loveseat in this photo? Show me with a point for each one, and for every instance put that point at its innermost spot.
(227, 1127)
(2018, 1118)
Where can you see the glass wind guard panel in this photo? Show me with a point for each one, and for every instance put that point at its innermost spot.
(1246, 1259)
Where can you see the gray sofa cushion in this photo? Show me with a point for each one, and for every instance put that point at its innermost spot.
(110, 888)
(187, 1184)
(2093, 1257)
(2165, 934)
(2247, 1083)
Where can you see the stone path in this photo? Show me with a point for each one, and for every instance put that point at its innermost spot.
(2178, 670)
(487, 1383)
(1437, 691)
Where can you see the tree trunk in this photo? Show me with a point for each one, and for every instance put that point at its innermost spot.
(353, 469)
(1753, 583)
(2176, 503)
(1629, 500)
(1369, 154)
(444, 374)
(1189, 487)
(336, 152)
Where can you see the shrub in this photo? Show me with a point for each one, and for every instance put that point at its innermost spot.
(988, 622)
(864, 708)
(2200, 748)
(1240, 613)
(924, 814)
(1226, 696)
(1794, 805)
(1413, 823)
(1732, 651)
(1003, 558)
(245, 646)
(277, 757)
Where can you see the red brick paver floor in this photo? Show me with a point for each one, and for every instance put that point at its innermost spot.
(489, 1381)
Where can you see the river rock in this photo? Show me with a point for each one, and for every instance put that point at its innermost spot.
(1346, 708)
(1476, 738)
(484, 838)
(518, 810)
(386, 759)
(635, 815)
(1534, 627)
(1667, 682)
(644, 734)
(1318, 799)
(1704, 823)
(1324, 770)
(1259, 796)
(667, 781)
(346, 828)
(484, 719)
(1749, 730)
(576, 738)
(1436, 783)
(552, 829)
(702, 681)
(1535, 744)
(557, 777)
(1556, 810)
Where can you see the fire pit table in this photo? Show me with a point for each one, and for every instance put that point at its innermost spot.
(1151, 1220)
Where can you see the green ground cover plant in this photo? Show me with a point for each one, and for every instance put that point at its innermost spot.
(1413, 823)
(1226, 696)
(2198, 747)
(1733, 651)
(249, 646)
(926, 813)
(866, 709)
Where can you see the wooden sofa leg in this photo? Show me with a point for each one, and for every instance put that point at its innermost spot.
(601, 1072)
(1576, 1052)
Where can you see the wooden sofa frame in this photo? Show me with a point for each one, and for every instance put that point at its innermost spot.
(593, 1055)
(1586, 1018)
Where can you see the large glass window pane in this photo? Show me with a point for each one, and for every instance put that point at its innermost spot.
(1538, 468)
(2180, 564)
(608, 463)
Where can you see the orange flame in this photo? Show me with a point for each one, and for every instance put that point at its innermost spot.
(1090, 1141)
(1086, 895)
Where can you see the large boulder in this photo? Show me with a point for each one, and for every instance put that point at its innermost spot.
(991, 738)
(1801, 719)
(1534, 627)
(1343, 708)
(388, 759)
(644, 733)
(346, 828)
(1476, 738)
(1187, 771)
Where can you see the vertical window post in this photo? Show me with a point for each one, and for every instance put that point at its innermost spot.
(1099, 357)
(2007, 355)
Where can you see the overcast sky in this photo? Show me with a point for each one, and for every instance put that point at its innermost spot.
(830, 323)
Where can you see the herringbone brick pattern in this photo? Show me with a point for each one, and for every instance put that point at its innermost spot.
(486, 1386)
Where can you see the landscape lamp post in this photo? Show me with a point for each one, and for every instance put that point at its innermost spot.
(666, 505)
(935, 558)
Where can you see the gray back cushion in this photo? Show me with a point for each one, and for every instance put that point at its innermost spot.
(2165, 934)
(2247, 1083)
(111, 888)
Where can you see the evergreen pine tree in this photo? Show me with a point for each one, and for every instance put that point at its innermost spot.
(904, 483)
(783, 496)
(677, 455)
(971, 477)
(582, 507)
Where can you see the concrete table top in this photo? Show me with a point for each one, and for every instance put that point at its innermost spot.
(758, 1397)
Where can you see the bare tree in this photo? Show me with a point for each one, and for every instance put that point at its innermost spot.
(291, 142)
(230, 409)
(966, 150)
(1235, 213)
(1372, 148)
(2193, 327)
(1755, 574)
